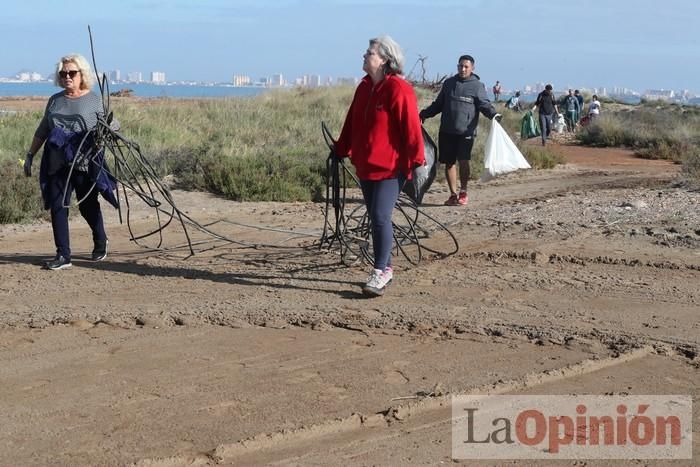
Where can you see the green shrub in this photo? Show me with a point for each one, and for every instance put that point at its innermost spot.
(654, 130)
(605, 131)
(691, 164)
(17, 131)
(267, 179)
(542, 157)
(20, 198)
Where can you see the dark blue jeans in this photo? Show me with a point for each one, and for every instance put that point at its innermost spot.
(380, 198)
(545, 126)
(89, 208)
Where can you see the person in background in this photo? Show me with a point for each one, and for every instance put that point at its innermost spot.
(594, 108)
(460, 100)
(497, 91)
(383, 138)
(514, 102)
(68, 117)
(579, 98)
(573, 111)
(547, 106)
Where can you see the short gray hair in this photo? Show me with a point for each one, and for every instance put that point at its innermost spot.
(86, 78)
(391, 52)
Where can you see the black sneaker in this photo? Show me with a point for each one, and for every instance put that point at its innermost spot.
(59, 262)
(100, 251)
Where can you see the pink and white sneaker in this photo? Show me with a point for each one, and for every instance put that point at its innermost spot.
(377, 282)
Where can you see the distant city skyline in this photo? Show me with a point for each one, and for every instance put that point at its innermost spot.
(311, 80)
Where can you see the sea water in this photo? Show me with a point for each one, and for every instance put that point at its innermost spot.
(46, 89)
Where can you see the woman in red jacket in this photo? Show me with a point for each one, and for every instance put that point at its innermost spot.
(382, 136)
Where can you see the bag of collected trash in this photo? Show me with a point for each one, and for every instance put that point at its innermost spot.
(501, 154)
(529, 128)
(559, 123)
(423, 175)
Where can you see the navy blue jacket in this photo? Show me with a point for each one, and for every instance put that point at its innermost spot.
(68, 143)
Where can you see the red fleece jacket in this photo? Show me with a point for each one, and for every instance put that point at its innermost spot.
(382, 131)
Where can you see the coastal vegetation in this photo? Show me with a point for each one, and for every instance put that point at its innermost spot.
(654, 130)
(270, 147)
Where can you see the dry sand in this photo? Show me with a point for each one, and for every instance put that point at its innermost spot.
(582, 279)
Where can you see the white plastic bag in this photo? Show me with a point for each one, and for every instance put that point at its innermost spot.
(559, 123)
(501, 154)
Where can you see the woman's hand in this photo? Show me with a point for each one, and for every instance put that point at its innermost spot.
(28, 159)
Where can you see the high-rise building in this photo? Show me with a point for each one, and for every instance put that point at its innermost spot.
(134, 77)
(314, 81)
(343, 81)
(28, 76)
(659, 94)
(277, 80)
(157, 77)
(241, 80)
(115, 76)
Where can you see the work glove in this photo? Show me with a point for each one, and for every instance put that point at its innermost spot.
(498, 117)
(28, 159)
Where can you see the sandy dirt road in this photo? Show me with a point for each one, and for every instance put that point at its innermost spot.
(583, 279)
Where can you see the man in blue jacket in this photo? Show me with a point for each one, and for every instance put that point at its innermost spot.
(460, 100)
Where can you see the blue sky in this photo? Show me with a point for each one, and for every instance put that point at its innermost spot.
(639, 44)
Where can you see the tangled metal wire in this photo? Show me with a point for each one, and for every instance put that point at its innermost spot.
(350, 229)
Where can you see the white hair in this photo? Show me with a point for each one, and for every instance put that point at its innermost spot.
(86, 78)
(391, 52)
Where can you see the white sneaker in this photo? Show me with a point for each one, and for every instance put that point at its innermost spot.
(388, 274)
(377, 282)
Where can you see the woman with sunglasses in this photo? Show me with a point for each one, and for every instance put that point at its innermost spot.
(70, 159)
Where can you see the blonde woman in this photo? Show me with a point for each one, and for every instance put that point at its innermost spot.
(69, 116)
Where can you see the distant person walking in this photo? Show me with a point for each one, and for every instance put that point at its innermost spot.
(579, 98)
(460, 100)
(69, 116)
(573, 110)
(547, 106)
(382, 136)
(594, 108)
(497, 91)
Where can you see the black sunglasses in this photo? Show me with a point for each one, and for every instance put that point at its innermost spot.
(71, 73)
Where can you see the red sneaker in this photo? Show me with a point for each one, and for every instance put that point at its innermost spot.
(463, 198)
(452, 201)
